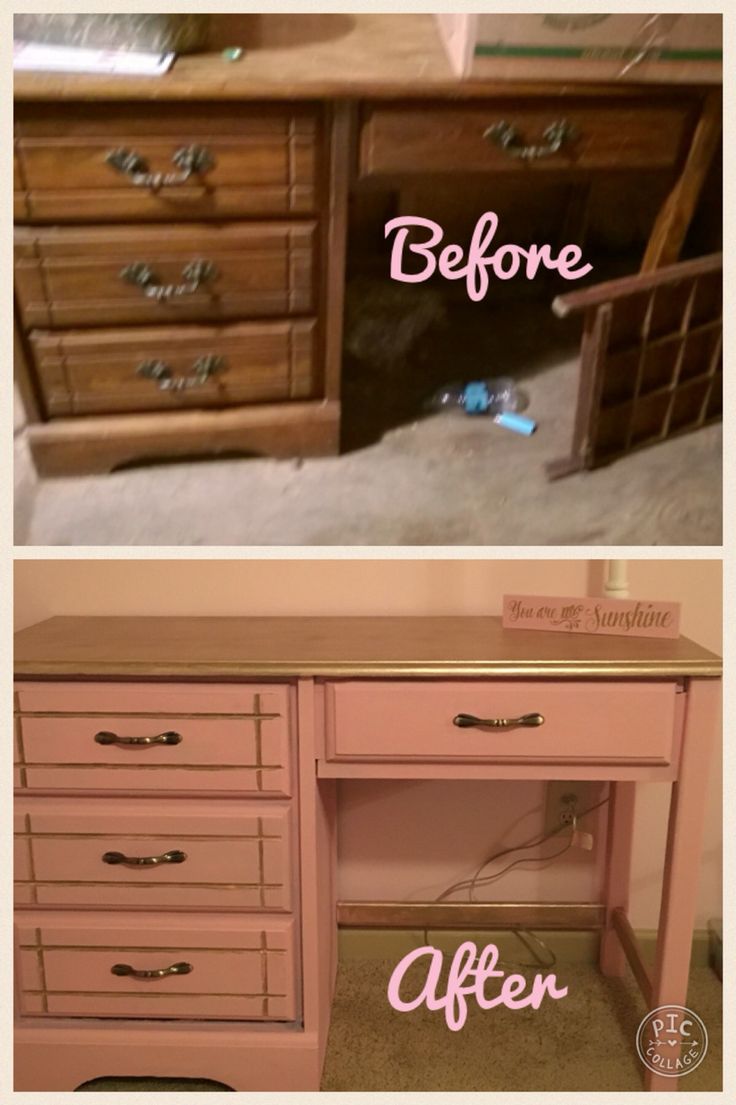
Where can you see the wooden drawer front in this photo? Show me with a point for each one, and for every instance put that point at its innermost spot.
(264, 161)
(242, 968)
(72, 277)
(233, 739)
(450, 138)
(104, 371)
(237, 857)
(583, 722)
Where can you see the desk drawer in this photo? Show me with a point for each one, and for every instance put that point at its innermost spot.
(582, 722)
(165, 368)
(201, 854)
(162, 737)
(105, 275)
(239, 968)
(452, 138)
(257, 160)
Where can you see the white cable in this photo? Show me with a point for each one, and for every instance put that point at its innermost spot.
(474, 880)
(526, 936)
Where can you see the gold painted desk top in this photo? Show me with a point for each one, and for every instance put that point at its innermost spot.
(241, 647)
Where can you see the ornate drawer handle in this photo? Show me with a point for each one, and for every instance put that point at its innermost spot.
(161, 738)
(526, 721)
(506, 136)
(195, 273)
(188, 159)
(124, 969)
(162, 374)
(118, 858)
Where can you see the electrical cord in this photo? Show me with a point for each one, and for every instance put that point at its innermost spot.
(526, 936)
(475, 880)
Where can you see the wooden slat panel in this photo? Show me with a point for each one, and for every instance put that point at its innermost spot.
(655, 367)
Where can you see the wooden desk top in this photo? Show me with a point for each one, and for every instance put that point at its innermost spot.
(326, 56)
(339, 647)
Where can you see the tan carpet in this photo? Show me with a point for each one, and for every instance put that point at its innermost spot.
(444, 481)
(584, 1041)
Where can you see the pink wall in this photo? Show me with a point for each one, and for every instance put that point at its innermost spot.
(393, 843)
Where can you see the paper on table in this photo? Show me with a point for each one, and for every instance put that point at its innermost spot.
(72, 59)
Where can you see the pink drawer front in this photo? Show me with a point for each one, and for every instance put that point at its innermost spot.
(613, 722)
(209, 855)
(204, 737)
(235, 968)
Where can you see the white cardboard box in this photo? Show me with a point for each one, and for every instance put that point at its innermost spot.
(669, 48)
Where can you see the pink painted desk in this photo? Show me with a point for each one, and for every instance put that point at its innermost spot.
(175, 902)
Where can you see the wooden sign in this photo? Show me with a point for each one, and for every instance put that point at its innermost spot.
(616, 617)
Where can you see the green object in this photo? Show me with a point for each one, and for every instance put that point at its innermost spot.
(594, 53)
(232, 53)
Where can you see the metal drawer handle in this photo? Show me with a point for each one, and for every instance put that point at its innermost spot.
(162, 374)
(506, 136)
(526, 721)
(124, 969)
(188, 159)
(118, 858)
(195, 274)
(104, 737)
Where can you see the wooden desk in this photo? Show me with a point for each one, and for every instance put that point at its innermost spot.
(204, 315)
(220, 740)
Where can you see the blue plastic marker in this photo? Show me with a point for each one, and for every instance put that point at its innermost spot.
(516, 422)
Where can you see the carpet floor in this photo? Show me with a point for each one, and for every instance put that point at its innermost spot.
(404, 478)
(582, 1042)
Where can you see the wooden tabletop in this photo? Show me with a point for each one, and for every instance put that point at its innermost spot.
(340, 647)
(328, 56)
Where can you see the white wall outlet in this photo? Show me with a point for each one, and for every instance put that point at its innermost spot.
(566, 800)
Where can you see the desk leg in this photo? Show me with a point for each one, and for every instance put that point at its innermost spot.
(682, 860)
(612, 959)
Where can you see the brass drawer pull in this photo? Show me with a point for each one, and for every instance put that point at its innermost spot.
(195, 274)
(526, 721)
(118, 858)
(189, 160)
(170, 737)
(203, 368)
(124, 969)
(506, 136)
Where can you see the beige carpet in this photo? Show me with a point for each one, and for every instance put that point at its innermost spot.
(440, 481)
(583, 1042)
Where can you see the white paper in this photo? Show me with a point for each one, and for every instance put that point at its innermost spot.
(71, 59)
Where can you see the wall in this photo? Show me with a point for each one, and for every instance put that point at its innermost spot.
(393, 843)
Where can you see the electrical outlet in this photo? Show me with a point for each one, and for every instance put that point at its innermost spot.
(566, 800)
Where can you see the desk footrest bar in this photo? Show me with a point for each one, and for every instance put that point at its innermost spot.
(632, 951)
(498, 915)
